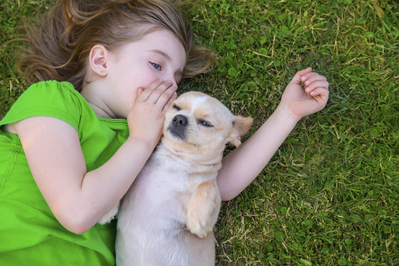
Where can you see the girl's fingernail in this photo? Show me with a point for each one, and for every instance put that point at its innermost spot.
(161, 80)
(307, 83)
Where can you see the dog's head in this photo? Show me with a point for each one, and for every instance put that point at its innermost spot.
(198, 126)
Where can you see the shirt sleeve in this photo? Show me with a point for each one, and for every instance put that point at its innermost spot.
(47, 98)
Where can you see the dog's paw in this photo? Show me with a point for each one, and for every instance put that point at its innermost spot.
(109, 215)
(203, 209)
(199, 227)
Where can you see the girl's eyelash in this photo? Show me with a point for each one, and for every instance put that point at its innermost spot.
(156, 66)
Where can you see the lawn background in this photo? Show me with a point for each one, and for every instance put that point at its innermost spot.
(330, 195)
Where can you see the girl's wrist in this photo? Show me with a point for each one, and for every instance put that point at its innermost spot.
(142, 143)
(284, 113)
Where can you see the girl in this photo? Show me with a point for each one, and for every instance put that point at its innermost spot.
(73, 143)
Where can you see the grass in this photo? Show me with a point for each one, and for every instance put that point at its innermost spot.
(330, 195)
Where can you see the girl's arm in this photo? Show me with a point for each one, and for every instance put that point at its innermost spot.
(77, 198)
(243, 165)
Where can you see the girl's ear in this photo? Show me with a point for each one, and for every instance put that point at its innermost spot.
(99, 57)
(241, 126)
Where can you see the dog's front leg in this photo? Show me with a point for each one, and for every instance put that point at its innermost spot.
(203, 209)
(109, 215)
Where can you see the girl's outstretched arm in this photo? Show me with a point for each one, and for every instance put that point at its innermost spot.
(244, 164)
(77, 198)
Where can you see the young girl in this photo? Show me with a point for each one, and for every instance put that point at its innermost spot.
(73, 143)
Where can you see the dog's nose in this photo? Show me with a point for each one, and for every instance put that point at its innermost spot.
(180, 121)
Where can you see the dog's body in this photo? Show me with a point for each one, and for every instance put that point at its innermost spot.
(152, 222)
(168, 214)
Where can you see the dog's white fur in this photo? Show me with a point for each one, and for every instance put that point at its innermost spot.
(168, 214)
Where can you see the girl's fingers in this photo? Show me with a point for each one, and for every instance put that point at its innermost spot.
(311, 77)
(165, 97)
(158, 93)
(160, 90)
(316, 84)
(320, 94)
(297, 78)
(171, 99)
(139, 92)
(149, 90)
(305, 71)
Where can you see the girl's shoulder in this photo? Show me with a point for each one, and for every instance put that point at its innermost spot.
(49, 98)
(51, 89)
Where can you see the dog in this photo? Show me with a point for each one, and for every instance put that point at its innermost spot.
(168, 214)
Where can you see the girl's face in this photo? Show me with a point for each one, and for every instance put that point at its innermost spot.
(158, 55)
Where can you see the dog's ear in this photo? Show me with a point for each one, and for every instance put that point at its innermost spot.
(241, 126)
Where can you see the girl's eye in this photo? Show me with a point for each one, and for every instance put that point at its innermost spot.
(156, 66)
(204, 123)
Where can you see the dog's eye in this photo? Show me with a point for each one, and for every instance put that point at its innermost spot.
(204, 123)
(176, 107)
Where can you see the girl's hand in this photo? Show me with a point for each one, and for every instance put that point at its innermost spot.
(311, 98)
(147, 116)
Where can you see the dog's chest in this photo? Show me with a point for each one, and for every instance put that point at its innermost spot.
(166, 181)
(166, 174)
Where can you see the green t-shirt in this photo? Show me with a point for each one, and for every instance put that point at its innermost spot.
(29, 232)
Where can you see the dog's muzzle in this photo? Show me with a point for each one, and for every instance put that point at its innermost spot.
(178, 126)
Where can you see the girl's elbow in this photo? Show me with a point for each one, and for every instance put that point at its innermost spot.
(74, 222)
(227, 195)
(77, 228)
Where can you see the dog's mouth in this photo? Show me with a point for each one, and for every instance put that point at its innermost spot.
(176, 133)
(178, 126)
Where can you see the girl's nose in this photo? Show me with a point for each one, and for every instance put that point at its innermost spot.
(171, 79)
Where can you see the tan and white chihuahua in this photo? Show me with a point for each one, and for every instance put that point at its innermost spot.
(168, 214)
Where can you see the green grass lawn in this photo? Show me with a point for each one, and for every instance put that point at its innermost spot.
(330, 195)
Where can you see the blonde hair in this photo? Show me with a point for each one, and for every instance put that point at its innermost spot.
(59, 49)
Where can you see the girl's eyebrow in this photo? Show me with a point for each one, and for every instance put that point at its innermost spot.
(167, 57)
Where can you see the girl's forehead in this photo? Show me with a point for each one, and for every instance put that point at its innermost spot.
(166, 44)
(160, 42)
(162, 37)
